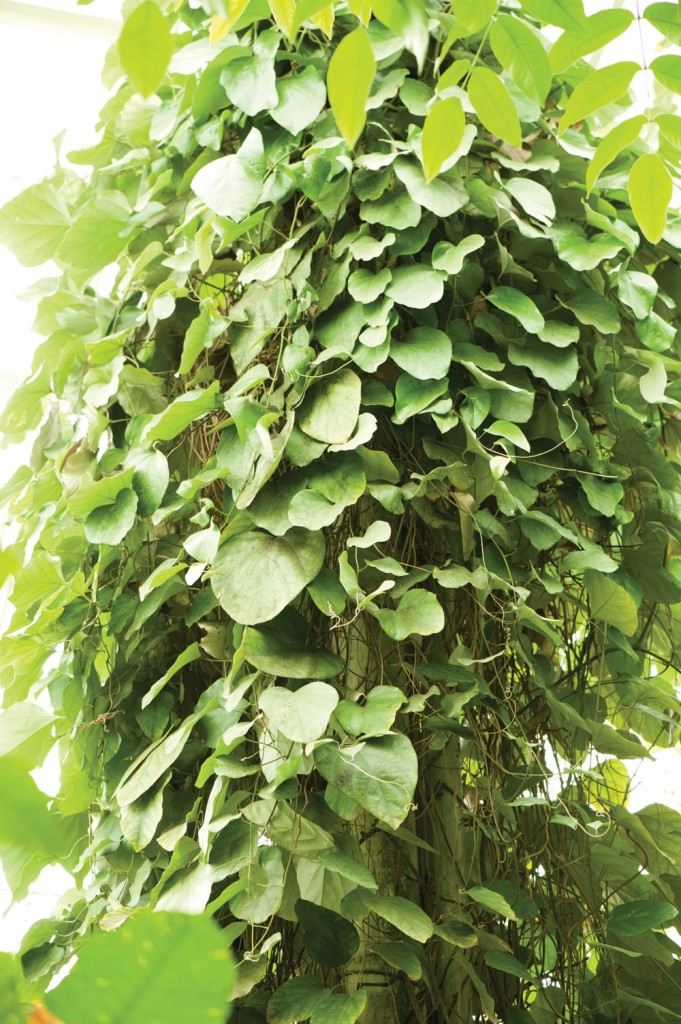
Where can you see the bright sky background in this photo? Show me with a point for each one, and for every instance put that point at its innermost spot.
(51, 54)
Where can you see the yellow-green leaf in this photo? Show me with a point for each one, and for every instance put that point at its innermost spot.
(145, 47)
(567, 14)
(597, 90)
(284, 14)
(362, 9)
(670, 126)
(220, 26)
(494, 106)
(442, 134)
(621, 136)
(453, 75)
(650, 192)
(521, 54)
(667, 71)
(666, 18)
(351, 72)
(472, 15)
(598, 30)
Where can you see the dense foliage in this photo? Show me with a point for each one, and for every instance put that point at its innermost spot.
(346, 549)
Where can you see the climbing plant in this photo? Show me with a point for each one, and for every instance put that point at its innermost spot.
(347, 549)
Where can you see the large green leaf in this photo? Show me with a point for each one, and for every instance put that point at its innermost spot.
(610, 602)
(379, 774)
(494, 106)
(97, 235)
(109, 524)
(416, 286)
(145, 47)
(255, 575)
(418, 613)
(351, 72)
(301, 100)
(521, 54)
(442, 134)
(329, 939)
(424, 352)
(597, 90)
(403, 914)
(638, 916)
(330, 410)
(279, 648)
(25, 822)
(156, 966)
(300, 715)
(650, 192)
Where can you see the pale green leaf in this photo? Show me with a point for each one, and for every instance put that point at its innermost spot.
(666, 18)
(95, 238)
(33, 223)
(617, 139)
(611, 603)
(181, 412)
(232, 185)
(650, 193)
(522, 55)
(450, 258)
(190, 654)
(150, 479)
(145, 47)
(418, 613)
(351, 72)
(301, 100)
(255, 575)
(416, 285)
(597, 90)
(653, 383)
(535, 200)
(300, 715)
(156, 966)
(375, 716)
(25, 822)
(472, 15)
(494, 106)
(442, 134)
(200, 335)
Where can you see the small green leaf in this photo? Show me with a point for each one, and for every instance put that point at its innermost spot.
(328, 938)
(598, 30)
(666, 18)
(522, 55)
(145, 47)
(617, 139)
(153, 762)
(442, 134)
(190, 654)
(375, 716)
(610, 602)
(246, 561)
(535, 200)
(402, 957)
(519, 306)
(300, 715)
(511, 432)
(653, 384)
(492, 901)
(494, 107)
(200, 335)
(351, 72)
(667, 71)
(150, 479)
(424, 352)
(597, 90)
(177, 416)
(450, 258)
(472, 15)
(638, 916)
(156, 966)
(650, 193)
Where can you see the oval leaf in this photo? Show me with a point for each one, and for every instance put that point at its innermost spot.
(650, 193)
(597, 90)
(145, 47)
(494, 106)
(621, 136)
(351, 72)
(521, 54)
(442, 134)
